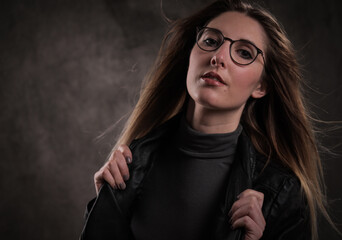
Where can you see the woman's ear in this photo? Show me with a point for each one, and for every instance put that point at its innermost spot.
(259, 91)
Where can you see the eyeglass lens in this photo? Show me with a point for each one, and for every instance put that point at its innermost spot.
(242, 52)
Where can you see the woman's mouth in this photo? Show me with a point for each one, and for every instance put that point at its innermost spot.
(213, 78)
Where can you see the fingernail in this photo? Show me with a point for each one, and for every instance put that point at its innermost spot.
(115, 186)
(122, 186)
(125, 177)
(128, 160)
(238, 196)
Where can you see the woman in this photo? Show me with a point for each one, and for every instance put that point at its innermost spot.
(221, 142)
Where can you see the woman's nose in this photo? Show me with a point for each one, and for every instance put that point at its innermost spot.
(221, 56)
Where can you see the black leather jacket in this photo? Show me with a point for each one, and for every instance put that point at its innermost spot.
(284, 208)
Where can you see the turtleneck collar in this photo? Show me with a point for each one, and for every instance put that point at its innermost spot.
(202, 145)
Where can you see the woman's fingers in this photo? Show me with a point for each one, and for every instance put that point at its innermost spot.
(118, 167)
(247, 212)
(126, 152)
(115, 171)
(249, 192)
(123, 156)
(252, 230)
(249, 207)
(101, 176)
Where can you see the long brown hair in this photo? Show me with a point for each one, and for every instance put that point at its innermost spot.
(278, 124)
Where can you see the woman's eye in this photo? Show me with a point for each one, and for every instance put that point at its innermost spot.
(244, 54)
(210, 42)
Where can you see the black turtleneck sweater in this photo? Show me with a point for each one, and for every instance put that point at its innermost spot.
(182, 194)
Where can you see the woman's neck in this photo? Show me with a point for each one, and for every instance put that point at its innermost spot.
(211, 120)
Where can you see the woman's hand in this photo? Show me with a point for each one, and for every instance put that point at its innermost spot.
(115, 171)
(246, 212)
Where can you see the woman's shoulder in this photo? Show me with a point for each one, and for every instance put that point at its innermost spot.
(272, 171)
(285, 207)
(277, 179)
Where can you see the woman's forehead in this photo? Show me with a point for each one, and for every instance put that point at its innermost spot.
(236, 25)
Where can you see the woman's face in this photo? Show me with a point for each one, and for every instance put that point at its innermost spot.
(238, 82)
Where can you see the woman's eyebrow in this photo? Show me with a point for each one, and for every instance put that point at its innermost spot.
(246, 40)
(240, 39)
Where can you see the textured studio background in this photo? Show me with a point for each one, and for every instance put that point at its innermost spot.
(69, 69)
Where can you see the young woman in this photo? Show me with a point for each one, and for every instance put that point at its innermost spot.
(221, 145)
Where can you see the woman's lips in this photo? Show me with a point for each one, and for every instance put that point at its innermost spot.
(213, 78)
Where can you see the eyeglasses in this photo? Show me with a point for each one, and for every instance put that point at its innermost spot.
(242, 51)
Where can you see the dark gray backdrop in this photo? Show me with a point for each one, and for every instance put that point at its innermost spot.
(69, 69)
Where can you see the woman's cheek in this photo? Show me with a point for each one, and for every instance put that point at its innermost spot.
(249, 80)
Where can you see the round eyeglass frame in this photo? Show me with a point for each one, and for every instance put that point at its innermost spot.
(202, 29)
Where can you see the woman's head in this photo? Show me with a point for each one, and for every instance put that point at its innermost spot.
(227, 63)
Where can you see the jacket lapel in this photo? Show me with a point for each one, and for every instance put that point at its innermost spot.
(240, 179)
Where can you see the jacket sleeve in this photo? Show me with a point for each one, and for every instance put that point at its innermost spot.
(288, 217)
(105, 219)
(89, 207)
(108, 215)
